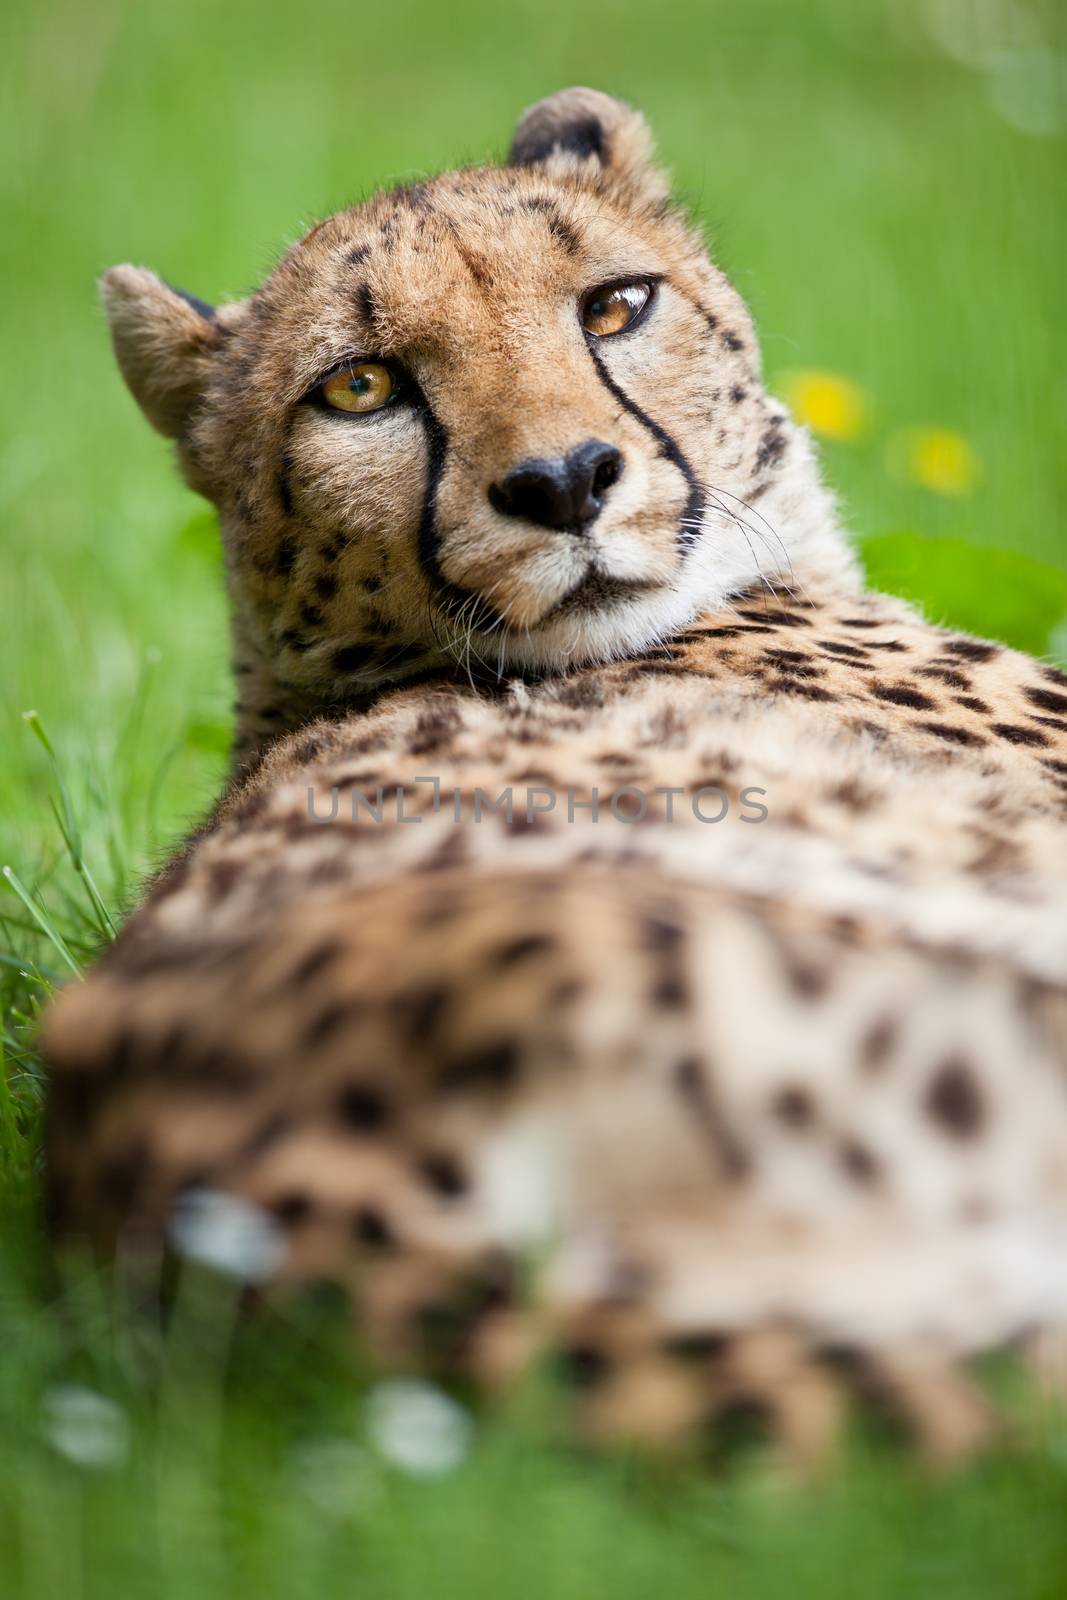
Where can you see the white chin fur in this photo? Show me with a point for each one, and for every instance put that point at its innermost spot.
(712, 571)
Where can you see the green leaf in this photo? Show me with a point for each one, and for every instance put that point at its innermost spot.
(998, 593)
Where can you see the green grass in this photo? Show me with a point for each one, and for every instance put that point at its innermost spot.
(886, 226)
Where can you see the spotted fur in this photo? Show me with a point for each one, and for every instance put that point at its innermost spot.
(765, 1109)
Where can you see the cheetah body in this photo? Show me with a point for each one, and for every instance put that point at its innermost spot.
(725, 980)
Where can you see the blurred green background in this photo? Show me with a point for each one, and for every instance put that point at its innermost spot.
(885, 181)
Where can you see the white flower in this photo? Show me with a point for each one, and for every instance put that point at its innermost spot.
(226, 1233)
(335, 1473)
(86, 1427)
(417, 1427)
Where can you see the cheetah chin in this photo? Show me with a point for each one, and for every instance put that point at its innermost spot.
(761, 1105)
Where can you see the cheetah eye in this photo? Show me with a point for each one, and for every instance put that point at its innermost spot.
(614, 307)
(364, 386)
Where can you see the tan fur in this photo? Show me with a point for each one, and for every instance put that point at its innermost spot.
(753, 1092)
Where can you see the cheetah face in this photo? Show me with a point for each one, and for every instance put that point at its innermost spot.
(511, 414)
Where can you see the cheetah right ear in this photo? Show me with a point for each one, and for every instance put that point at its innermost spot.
(587, 132)
(164, 342)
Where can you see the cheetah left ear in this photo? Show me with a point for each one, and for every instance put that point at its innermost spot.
(585, 132)
(164, 340)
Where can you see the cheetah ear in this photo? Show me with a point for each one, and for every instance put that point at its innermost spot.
(585, 131)
(164, 342)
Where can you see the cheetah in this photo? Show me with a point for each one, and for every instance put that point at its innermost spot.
(623, 935)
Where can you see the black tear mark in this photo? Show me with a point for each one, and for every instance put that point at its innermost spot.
(451, 595)
(689, 523)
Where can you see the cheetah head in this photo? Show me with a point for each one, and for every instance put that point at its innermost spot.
(512, 414)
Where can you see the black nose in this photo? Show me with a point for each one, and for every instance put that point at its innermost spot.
(566, 492)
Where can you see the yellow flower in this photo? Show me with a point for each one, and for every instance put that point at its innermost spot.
(827, 404)
(935, 457)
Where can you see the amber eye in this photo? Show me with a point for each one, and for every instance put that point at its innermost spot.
(365, 386)
(614, 307)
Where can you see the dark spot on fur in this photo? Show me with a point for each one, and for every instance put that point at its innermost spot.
(358, 254)
(695, 1086)
(1018, 735)
(492, 1066)
(661, 933)
(566, 991)
(793, 663)
(806, 691)
(325, 585)
(352, 658)
(362, 1108)
(859, 1162)
(444, 1175)
(973, 649)
(222, 876)
(944, 730)
(329, 1021)
(853, 795)
(285, 556)
(953, 1099)
(877, 1044)
(771, 446)
(584, 1366)
(323, 955)
(522, 947)
(308, 748)
(898, 695)
(269, 1132)
(771, 614)
(291, 1208)
(670, 992)
(794, 1106)
(707, 1345)
(371, 1229)
(737, 394)
(854, 652)
(420, 1011)
(365, 301)
(954, 680)
(732, 341)
(970, 702)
